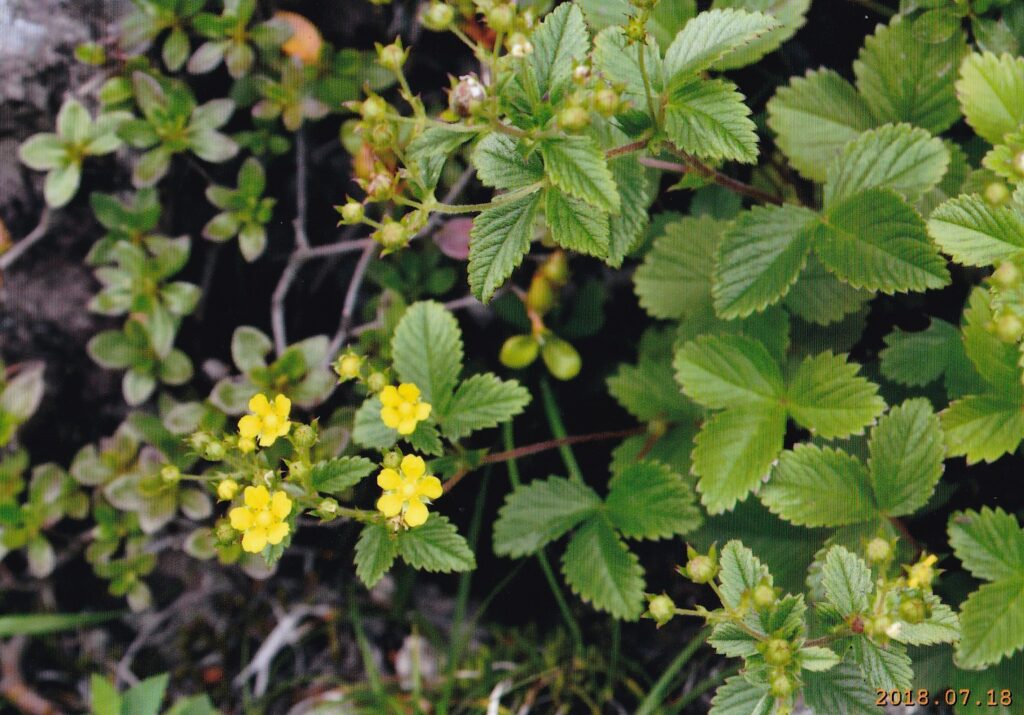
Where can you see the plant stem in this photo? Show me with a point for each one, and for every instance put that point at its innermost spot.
(657, 694)
(558, 430)
(496, 201)
(692, 164)
(626, 148)
(642, 63)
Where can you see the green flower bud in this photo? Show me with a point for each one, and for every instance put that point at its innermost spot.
(381, 135)
(519, 351)
(913, 610)
(781, 686)
(556, 268)
(392, 459)
(561, 358)
(214, 452)
(328, 506)
(701, 569)
(661, 609)
(392, 56)
(777, 651)
(573, 119)
(607, 101)
(1009, 328)
(373, 108)
(437, 16)
(91, 53)
(763, 596)
(170, 474)
(501, 17)
(224, 533)
(878, 550)
(392, 235)
(377, 381)
(304, 436)
(996, 193)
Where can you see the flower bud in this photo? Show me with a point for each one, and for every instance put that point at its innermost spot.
(573, 119)
(519, 351)
(377, 381)
(381, 135)
(781, 686)
(392, 459)
(913, 610)
(328, 506)
(607, 101)
(996, 193)
(392, 235)
(199, 440)
(349, 366)
(170, 474)
(1006, 275)
(561, 358)
(467, 96)
(501, 17)
(540, 297)
(437, 16)
(701, 569)
(304, 436)
(214, 452)
(661, 609)
(227, 489)
(373, 108)
(393, 56)
(878, 550)
(763, 596)
(352, 212)
(1009, 328)
(519, 46)
(778, 651)
(224, 533)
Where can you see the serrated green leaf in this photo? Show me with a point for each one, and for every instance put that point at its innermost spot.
(500, 165)
(648, 501)
(603, 572)
(648, 390)
(335, 475)
(576, 225)
(666, 19)
(425, 438)
(728, 371)
(730, 640)
(435, 546)
(738, 696)
(375, 553)
(991, 93)
(427, 350)
(983, 428)
(840, 691)
(989, 543)
(618, 60)
(886, 668)
(637, 190)
(819, 297)
(815, 486)
(991, 623)
(906, 79)
(791, 15)
(709, 118)
(759, 258)
(829, 397)
(740, 572)
(907, 452)
(499, 240)
(895, 156)
(817, 659)
(559, 42)
(916, 359)
(710, 37)
(995, 360)
(941, 626)
(976, 233)
(877, 241)
(847, 581)
(368, 430)
(483, 401)
(734, 451)
(814, 117)
(577, 166)
(675, 277)
(540, 512)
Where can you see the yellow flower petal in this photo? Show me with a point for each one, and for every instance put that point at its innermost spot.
(246, 445)
(241, 518)
(409, 391)
(429, 487)
(388, 479)
(267, 438)
(259, 404)
(389, 504)
(389, 416)
(256, 497)
(249, 426)
(422, 410)
(283, 429)
(280, 505)
(413, 466)
(406, 426)
(389, 396)
(416, 514)
(282, 406)
(255, 540)
(276, 533)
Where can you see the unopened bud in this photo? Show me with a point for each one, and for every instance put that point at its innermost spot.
(778, 651)
(1009, 328)
(170, 474)
(373, 108)
(701, 569)
(304, 436)
(377, 381)
(392, 56)
(351, 212)
(573, 119)
(763, 596)
(227, 489)
(661, 609)
(392, 459)
(214, 452)
(348, 366)
(913, 610)
(878, 550)
(437, 16)
(501, 17)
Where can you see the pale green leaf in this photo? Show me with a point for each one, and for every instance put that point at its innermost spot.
(741, 571)
(991, 92)
(602, 571)
(647, 500)
(918, 358)
(941, 626)
(648, 390)
(375, 553)
(709, 118)
(791, 14)
(500, 164)
(675, 276)
(738, 696)
(887, 668)
(144, 698)
(907, 452)
(828, 396)
(728, 371)
(847, 581)
(436, 546)
(730, 640)
(710, 37)
(559, 42)
(989, 543)
(335, 475)
(618, 61)
(427, 350)
(840, 691)
(540, 512)
(483, 401)
(817, 659)
(975, 233)
(819, 297)
(983, 428)
(437, 141)
(815, 486)
(368, 430)
(499, 240)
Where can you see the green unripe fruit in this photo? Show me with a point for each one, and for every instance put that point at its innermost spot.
(352, 212)
(778, 652)
(519, 351)
(606, 101)
(392, 56)
(437, 16)
(1009, 328)
(573, 119)
(781, 686)
(1006, 275)
(540, 297)
(328, 506)
(224, 533)
(373, 108)
(501, 17)
(377, 381)
(701, 569)
(304, 436)
(214, 452)
(996, 193)
(763, 596)
(392, 235)
(662, 609)
(170, 474)
(392, 460)
(561, 358)
(913, 610)
(878, 550)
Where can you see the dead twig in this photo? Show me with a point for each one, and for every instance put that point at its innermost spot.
(8, 258)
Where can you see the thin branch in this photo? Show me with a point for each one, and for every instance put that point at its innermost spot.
(301, 199)
(277, 305)
(625, 149)
(8, 258)
(13, 688)
(695, 165)
(351, 296)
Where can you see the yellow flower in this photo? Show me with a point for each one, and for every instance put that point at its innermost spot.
(246, 444)
(268, 421)
(404, 492)
(920, 575)
(262, 519)
(402, 407)
(227, 489)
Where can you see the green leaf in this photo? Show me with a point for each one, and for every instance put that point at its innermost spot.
(648, 501)
(675, 276)
(907, 452)
(437, 141)
(709, 118)
(730, 640)
(375, 553)
(817, 659)
(368, 430)
(425, 438)
(991, 92)
(666, 19)
(648, 390)
(820, 298)
(37, 624)
(983, 428)
(813, 117)
(483, 401)
(103, 696)
(61, 184)
(577, 166)
(847, 581)
(896, 156)
(828, 397)
(994, 360)
(618, 60)
(941, 626)
(734, 451)
(42, 152)
(815, 486)
(637, 190)
(989, 543)
(436, 546)
(728, 371)
(738, 696)
(603, 572)
(759, 258)
(145, 697)
(791, 14)
(558, 43)
(540, 512)
(916, 359)
(499, 163)
(991, 623)
(711, 37)
(427, 350)
(905, 79)
(740, 572)
(976, 233)
(840, 691)
(335, 475)
(576, 225)
(884, 668)
(498, 241)
(875, 240)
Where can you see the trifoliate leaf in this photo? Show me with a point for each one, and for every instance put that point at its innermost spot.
(875, 240)
(819, 297)
(976, 233)
(791, 14)
(991, 92)
(709, 118)
(907, 452)
(989, 543)
(648, 501)
(738, 696)
(906, 79)
(540, 512)
(827, 396)
(603, 572)
(895, 156)
(559, 42)
(814, 117)
(500, 165)
(710, 37)
(427, 350)
(334, 475)
(675, 277)
(734, 451)
(741, 571)
(375, 553)
(983, 428)
(483, 401)
(576, 225)
(728, 371)
(435, 546)
(847, 581)
(815, 486)
(887, 668)
(499, 240)
(991, 623)
(759, 258)
(577, 166)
